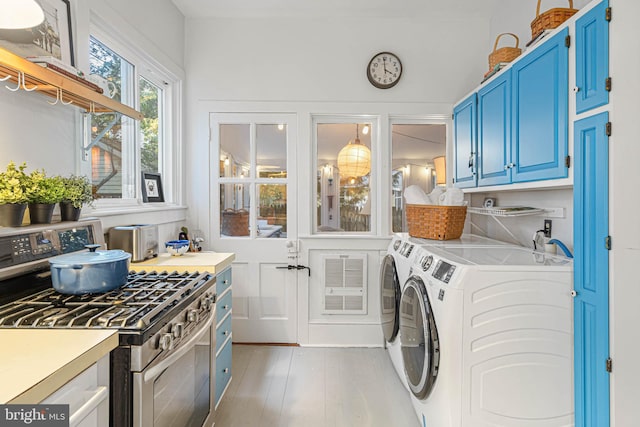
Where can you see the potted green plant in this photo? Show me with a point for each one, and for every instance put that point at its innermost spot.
(78, 191)
(43, 193)
(13, 195)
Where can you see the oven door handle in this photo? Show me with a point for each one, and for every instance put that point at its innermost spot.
(155, 370)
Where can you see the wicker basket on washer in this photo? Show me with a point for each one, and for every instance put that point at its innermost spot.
(550, 19)
(436, 222)
(504, 54)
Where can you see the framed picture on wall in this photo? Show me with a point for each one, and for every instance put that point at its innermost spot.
(152, 187)
(52, 38)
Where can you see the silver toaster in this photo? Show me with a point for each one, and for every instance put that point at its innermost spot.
(140, 240)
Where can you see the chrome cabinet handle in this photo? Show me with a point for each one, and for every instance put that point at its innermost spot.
(225, 370)
(225, 333)
(226, 307)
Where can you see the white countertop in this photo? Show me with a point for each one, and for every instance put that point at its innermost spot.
(211, 262)
(36, 362)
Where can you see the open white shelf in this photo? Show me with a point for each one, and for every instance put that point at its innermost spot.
(505, 211)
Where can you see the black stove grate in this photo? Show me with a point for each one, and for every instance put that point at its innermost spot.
(133, 306)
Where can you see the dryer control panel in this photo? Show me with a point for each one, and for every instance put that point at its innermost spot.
(443, 271)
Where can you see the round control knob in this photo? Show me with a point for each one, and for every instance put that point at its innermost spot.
(426, 263)
(396, 245)
(177, 330)
(192, 315)
(206, 301)
(166, 342)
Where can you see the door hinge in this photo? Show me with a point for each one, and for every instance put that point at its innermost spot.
(607, 14)
(607, 129)
(609, 364)
(607, 84)
(453, 116)
(567, 161)
(567, 41)
(607, 243)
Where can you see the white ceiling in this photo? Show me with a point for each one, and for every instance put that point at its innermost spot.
(431, 9)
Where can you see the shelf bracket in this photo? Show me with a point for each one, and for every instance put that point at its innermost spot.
(87, 142)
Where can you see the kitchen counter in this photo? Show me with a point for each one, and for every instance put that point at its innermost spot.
(36, 362)
(211, 262)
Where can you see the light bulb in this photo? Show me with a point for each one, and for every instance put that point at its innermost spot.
(280, 126)
(365, 129)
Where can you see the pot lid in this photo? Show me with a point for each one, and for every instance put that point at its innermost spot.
(97, 257)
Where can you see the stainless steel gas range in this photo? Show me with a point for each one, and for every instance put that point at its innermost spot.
(162, 373)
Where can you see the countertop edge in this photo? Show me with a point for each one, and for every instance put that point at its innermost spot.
(213, 262)
(48, 385)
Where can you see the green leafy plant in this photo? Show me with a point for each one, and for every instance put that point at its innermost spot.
(13, 184)
(44, 189)
(78, 191)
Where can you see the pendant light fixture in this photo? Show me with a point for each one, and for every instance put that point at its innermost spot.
(354, 160)
(18, 14)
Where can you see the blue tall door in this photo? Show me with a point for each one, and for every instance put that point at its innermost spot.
(591, 271)
(464, 144)
(494, 136)
(540, 112)
(592, 58)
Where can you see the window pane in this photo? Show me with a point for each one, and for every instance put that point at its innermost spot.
(112, 167)
(235, 150)
(344, 170)
(414, 148)
(271, 148)
(234, 210)
(272, 210)
(150, 126)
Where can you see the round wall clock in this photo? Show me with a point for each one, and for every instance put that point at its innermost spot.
(384, 70)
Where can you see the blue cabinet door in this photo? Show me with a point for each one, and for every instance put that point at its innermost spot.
(591, 271)
(592, 58)
(539, 139)
(464, 144)
(494, 136)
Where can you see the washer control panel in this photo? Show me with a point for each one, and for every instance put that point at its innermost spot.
(443, 271)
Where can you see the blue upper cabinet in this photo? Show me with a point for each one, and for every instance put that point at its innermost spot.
(494, 136)
(592, 59)
(539, 138)
(464, 147)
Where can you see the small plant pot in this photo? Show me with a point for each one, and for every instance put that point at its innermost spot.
(68, 212)
(41, 213)
(11, 214)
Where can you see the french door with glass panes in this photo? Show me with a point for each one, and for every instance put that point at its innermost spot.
(254, 216)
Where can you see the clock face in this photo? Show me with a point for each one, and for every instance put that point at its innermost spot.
(384, 70)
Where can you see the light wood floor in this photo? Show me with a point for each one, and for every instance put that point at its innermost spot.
(309, 387)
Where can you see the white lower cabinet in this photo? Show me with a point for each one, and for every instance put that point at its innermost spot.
(87, 396)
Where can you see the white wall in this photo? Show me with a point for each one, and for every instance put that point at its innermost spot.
(523, 227)
(624, 174)
(49, 137)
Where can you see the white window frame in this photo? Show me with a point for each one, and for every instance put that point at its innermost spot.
(374, 178)
(170, 160)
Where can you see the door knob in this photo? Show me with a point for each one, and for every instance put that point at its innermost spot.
(574, 293)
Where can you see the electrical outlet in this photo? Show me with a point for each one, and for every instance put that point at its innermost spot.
(547, 228)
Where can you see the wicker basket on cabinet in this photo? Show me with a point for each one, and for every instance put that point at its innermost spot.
(550, 19)
(436, 222)
(504, 54)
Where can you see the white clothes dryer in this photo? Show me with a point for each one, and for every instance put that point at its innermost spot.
(487, 337)
(394, 271)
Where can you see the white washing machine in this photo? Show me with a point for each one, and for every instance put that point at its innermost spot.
(394, 272)
(487, 337)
